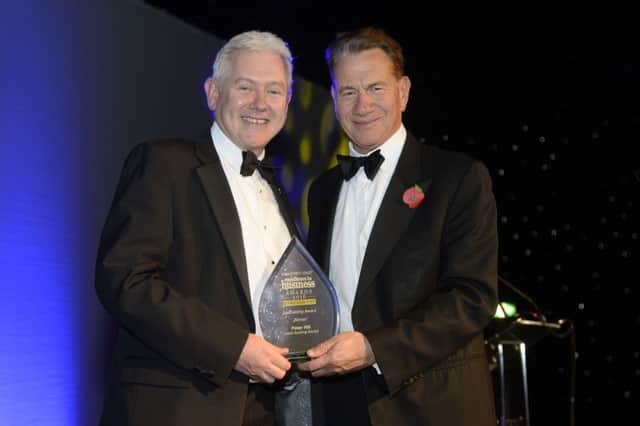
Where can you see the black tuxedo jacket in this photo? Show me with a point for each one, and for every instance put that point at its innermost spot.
(172, 272)
(427, 287)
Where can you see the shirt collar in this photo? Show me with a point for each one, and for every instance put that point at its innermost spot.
(390, 149)
(227, 150)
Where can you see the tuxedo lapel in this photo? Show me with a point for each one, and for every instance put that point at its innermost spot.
(216, 188)
(329, 191)
(284, 206)
(394, 215)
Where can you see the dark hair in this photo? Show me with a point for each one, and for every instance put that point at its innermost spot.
(362, 39)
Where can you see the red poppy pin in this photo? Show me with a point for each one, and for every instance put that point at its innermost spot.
(413, 196)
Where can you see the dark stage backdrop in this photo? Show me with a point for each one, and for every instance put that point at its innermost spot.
(81, 82)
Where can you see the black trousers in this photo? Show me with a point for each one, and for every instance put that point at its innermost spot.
(344, 400)
(259, 409)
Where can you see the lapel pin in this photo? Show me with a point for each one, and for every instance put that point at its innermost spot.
(413, 196)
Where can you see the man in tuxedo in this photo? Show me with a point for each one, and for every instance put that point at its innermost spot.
(407, 233)
(195, 230)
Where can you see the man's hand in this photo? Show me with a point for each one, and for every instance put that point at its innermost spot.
(262, 361)
(343, 353)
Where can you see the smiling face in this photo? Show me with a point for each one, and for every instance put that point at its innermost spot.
(251, 102)
(369, 99)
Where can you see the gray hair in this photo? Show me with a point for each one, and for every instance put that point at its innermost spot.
(253, 41)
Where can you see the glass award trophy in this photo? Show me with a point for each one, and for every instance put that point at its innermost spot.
(298, 307)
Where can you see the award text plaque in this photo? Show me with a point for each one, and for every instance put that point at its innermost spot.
(298, 307)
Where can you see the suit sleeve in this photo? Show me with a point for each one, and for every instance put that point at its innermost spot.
(465, 298)
(130, 274)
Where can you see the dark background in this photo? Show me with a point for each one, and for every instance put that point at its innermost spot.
(467, 65)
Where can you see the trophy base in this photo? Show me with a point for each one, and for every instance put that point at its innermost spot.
(299, 356)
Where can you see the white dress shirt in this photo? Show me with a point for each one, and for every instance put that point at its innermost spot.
(265, 235)
(358, 205)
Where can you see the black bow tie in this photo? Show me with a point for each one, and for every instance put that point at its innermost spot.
(250, 163)
(350, 165)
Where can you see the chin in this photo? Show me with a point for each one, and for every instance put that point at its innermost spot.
(368, 146)
(255, 142)
(256, 146)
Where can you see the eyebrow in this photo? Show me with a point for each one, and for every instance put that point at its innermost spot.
(368, 86)
(252, 81)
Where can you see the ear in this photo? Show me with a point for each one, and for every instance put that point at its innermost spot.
(405, 87)
(211, 90)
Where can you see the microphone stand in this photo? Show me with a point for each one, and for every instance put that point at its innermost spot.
(560, 329)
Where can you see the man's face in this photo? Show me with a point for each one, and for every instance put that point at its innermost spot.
(251, 103)
(368, 98)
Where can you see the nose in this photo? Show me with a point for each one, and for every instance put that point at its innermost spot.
(259, 100)
(363, 103)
